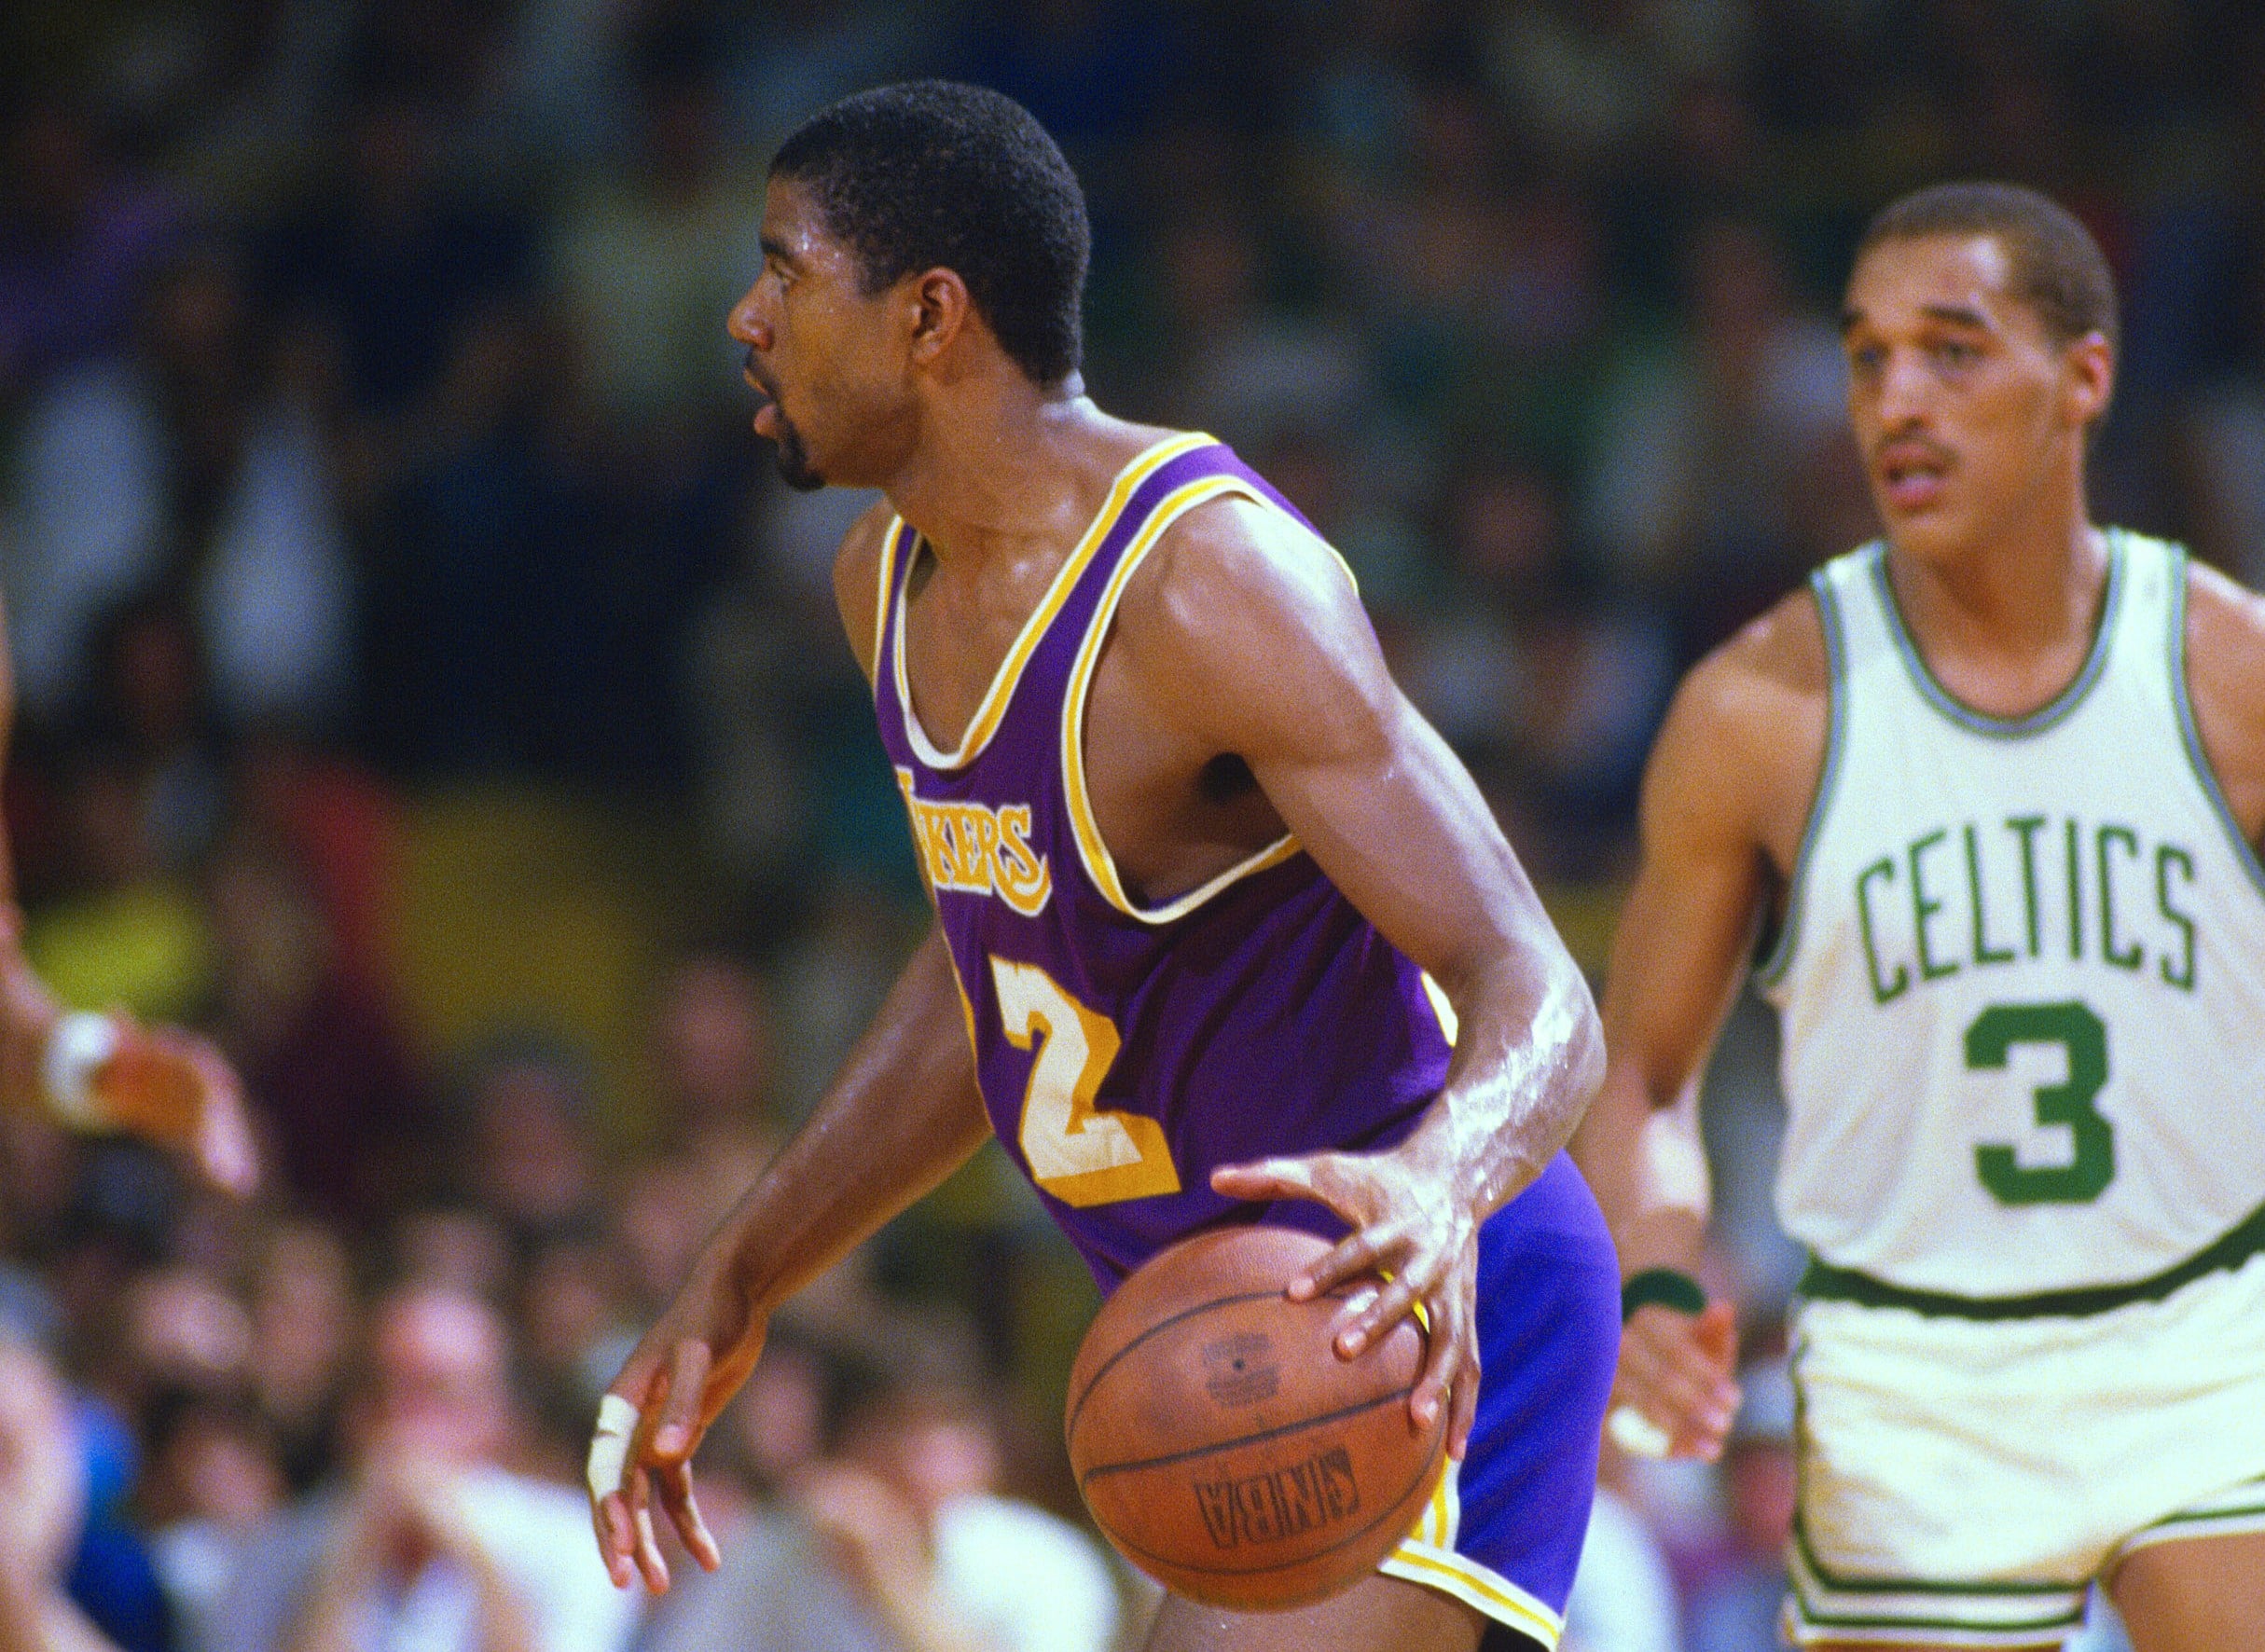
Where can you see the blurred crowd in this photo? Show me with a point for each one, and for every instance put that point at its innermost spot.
(423, 686)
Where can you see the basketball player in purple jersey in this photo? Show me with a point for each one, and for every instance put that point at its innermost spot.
(1213, 898)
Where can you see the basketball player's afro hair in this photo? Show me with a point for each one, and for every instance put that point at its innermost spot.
(932, 173)
(2058, 269)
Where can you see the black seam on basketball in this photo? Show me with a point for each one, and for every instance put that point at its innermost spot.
(1397, 1504)
(1078, 1406)
(1243, 1439)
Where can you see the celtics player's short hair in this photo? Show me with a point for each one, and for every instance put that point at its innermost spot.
(2058, 269)
(932, 173)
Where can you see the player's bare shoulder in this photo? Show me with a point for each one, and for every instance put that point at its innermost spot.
(1240, 615)
(2226, 686)
(1743, 746)
(857, 573)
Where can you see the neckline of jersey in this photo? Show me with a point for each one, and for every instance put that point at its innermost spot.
(2052, 711)
(990, 710)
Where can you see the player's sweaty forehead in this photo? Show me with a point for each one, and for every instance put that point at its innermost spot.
(794, 237)
(1945, 280)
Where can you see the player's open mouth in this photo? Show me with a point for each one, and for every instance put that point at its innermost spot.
(1911, 475)
(767, 416)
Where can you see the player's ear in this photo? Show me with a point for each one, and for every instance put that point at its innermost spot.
(940, 309)
(2091, 378)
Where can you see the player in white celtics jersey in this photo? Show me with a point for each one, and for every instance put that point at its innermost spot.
(1992, 790)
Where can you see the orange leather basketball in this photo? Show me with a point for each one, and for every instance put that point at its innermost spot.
(1224, 1446)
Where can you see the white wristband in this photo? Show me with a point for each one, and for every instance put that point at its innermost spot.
(609, 1445)
(76, 1047)
(1637, 1434)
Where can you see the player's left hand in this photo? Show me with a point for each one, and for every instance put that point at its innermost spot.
(1411, 1233)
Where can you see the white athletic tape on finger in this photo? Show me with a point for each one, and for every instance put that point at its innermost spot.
(1637, 1434)
(617, 1422)
(77, 1046)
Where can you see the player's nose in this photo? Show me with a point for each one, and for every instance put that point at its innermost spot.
(1902, 389)
(746, 324)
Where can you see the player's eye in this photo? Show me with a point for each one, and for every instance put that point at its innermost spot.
(1952, 352)
(1866, 359)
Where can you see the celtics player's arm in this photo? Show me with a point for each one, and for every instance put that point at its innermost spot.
(1248, 638)
(1725, 793)
(901, 1114)
(96, 1072)
(2226, 687)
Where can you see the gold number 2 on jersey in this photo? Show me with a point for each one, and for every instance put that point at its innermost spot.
(1079, 1155)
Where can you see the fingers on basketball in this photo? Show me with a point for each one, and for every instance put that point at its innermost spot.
(1449, 1379)
(1360, 1254)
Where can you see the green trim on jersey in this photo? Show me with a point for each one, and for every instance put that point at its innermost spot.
(1823, 1282)
(2190, 734)
(1981, 722)
(1772, 970)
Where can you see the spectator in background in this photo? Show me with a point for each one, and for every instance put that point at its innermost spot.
(531, 1163)
(650, 255)
(211, 1477)
(1710, 445)
(715, 1057)
(190, 465)
(304, 1323)
(41, 1493)
(1238, 367)
(78, 233)
(390, 266)
(349, 1124)
(894, 1539)
(431, 1544)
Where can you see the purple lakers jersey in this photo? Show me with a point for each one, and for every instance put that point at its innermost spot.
(1123, 1049)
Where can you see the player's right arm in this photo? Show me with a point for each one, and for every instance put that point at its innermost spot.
(1725, 794)
(902, 1113)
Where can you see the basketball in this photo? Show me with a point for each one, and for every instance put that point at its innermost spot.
(1222, 1445)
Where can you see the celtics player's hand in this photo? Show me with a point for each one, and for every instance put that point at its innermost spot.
(651, 1422)
(1411, 1233)
(1677, 1371)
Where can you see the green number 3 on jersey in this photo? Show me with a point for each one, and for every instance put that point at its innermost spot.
(2079, 1032)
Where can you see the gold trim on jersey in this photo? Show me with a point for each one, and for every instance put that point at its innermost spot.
(886, 594)
(1101, 866)
(1436, 1566)
(992, 707)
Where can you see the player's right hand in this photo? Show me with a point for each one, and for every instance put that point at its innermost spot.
(650, 1423)
(1677, 1371)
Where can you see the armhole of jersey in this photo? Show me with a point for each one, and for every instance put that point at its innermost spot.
(1450, 1023)
(1093, 852)
(2190, 733)
(1773, 969)
(882, 599)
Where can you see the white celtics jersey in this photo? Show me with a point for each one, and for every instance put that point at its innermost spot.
(2023, 975)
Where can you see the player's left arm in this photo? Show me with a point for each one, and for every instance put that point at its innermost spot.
(106, 1072)
(2226, 686)
(1248, 636)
